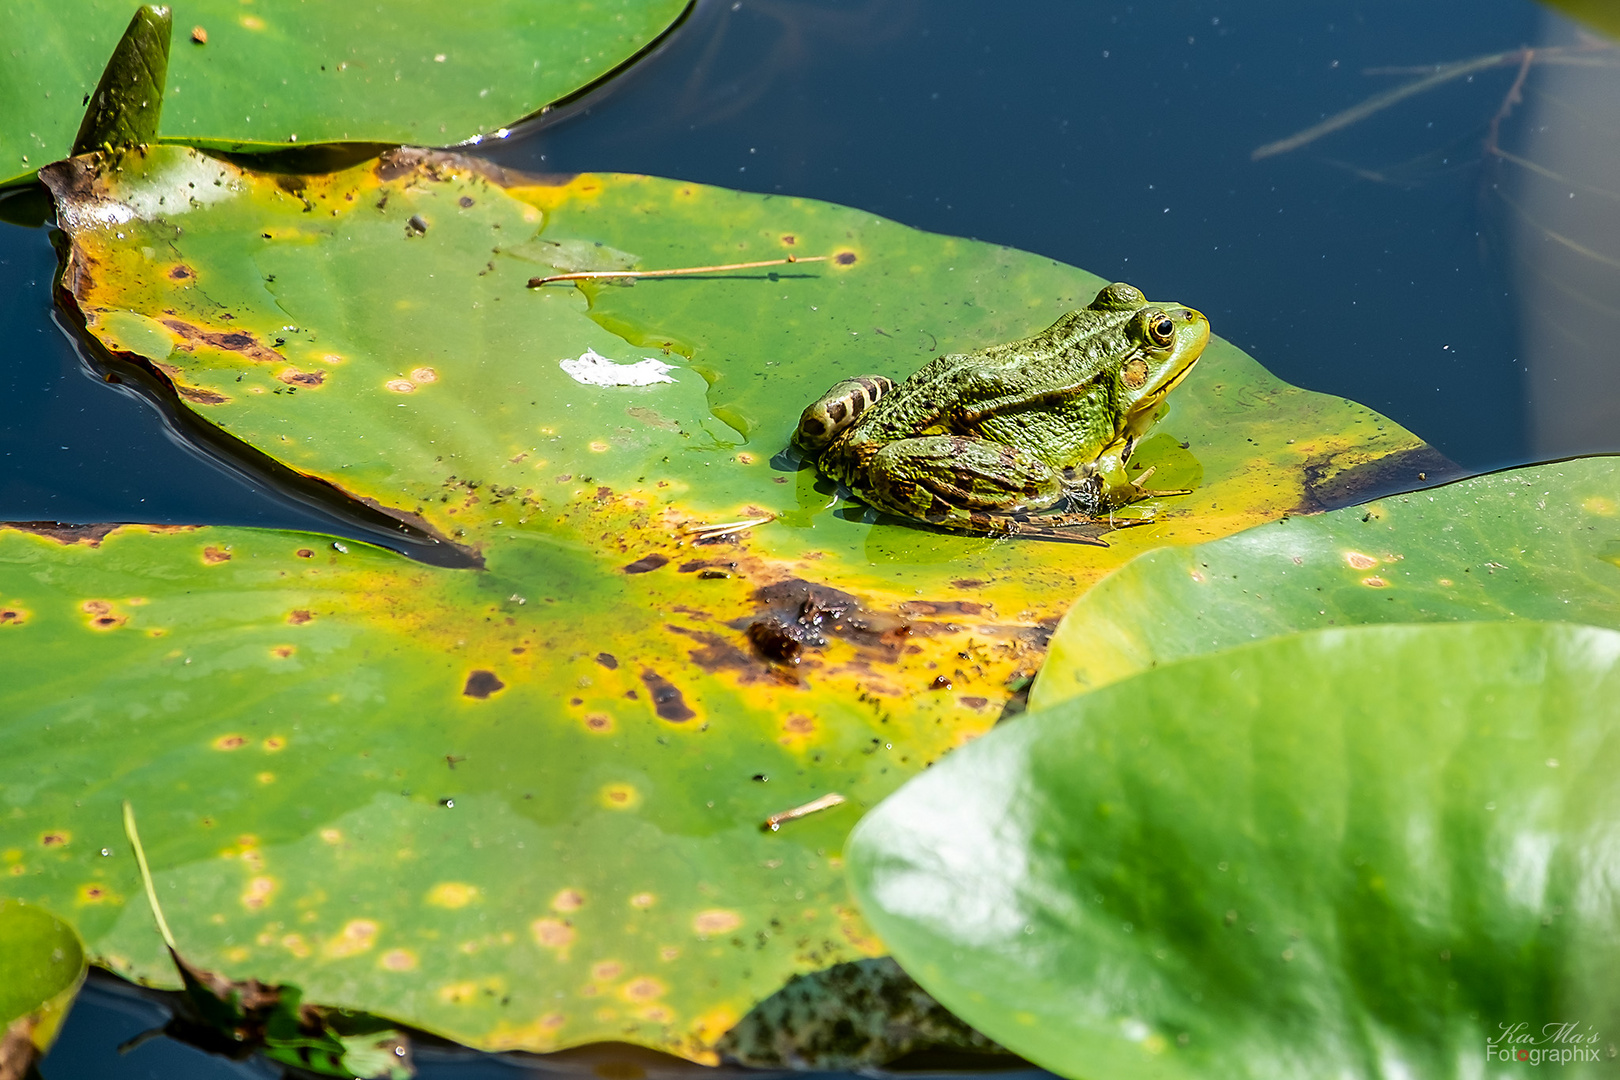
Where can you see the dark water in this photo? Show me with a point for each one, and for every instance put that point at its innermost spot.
(1381, 263)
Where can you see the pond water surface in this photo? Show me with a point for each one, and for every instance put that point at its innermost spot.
(1470, 295)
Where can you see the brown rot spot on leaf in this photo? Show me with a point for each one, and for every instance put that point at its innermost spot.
(844, 258)
(940, 683)
(667, 700)
(11, 616)
(305, 553)
(796, 614)
(282, 652)
(299, 617)
(941, 607)
(607, 660)
(646, 563)
(967, 583)
(55, 839)
(481, 684)
(600, 723)
(294, 377)
(198, 396)
(777, 639)
(102, 615)
(213, 555)
(89, 535)
(465, 201)
(975, 702)
(235, 341)
(181, 272)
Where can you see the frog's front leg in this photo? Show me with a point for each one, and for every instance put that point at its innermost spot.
(952, 480)
(1104, 485)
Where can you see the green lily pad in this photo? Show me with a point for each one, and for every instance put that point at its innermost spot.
(1532, 543)
(41, 967)
(522, 804)
(267, 76)
(127, 103)
(1368, 852)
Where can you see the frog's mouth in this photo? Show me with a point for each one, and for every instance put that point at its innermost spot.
(1149, 403)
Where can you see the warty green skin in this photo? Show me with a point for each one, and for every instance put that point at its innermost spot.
(981, 440)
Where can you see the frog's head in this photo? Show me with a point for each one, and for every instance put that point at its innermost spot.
(1165, 342)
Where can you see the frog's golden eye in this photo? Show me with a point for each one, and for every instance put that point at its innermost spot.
(1161, 329)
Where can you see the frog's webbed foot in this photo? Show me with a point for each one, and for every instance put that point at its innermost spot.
(1094, 494)
(1137, 492)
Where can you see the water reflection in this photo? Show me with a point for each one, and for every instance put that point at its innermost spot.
(1559, 189)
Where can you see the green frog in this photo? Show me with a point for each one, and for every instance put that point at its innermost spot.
(982, 441)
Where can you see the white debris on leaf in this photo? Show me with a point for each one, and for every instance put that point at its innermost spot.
(593, 369)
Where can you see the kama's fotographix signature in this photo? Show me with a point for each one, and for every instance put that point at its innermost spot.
(1554, 1043)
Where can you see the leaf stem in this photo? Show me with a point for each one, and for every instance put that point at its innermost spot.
(146, 875)
(592, 275)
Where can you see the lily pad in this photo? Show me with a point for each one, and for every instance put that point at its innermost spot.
(412, 71)
(521, 802)
(41, 967)
(1306, 857)
(1532, 543)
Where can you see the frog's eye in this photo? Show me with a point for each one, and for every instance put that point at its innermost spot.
(1161, 329)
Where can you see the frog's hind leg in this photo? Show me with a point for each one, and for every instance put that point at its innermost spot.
(830, 415)
(952, 480)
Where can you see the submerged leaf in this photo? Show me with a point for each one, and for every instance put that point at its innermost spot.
(1383, 851)
(851, 1015)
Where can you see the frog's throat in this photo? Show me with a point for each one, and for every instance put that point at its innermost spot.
(1152, 399)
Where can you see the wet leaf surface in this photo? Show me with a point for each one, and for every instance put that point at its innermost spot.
(304, 73)
(526, 805)
(1533, 543)
(1353, 852)
(127, 103)
(41, 967)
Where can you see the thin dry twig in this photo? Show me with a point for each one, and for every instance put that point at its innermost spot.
(1379, 102)
(1515, 95)
(1593, 53)
(714, 532)
(593, 275)
(826, 802)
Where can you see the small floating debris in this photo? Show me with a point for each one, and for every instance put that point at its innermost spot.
(826, 802)
(725, 528)
(594, 369)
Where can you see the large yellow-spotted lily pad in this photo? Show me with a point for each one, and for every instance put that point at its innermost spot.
(256, 76)
(522, 803)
